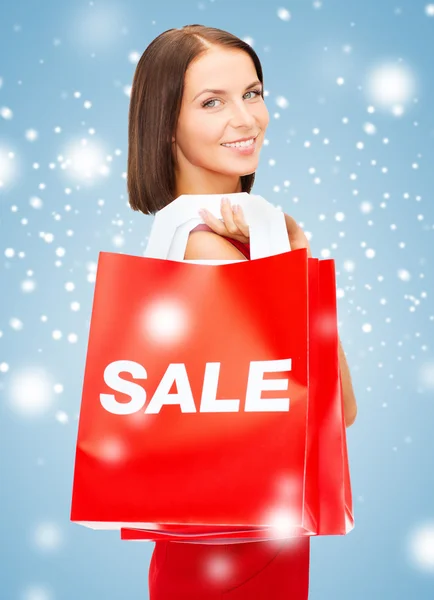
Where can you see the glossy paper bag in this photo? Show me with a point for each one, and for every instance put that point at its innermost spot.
(196, 399)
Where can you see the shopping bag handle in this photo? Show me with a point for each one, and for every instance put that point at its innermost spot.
(172, 224)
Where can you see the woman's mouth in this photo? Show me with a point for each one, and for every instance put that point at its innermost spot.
(244, 148)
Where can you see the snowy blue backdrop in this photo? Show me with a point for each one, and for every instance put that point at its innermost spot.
(349, 154)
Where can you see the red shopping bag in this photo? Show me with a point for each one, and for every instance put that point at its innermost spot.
(196, 409)
(327, 437)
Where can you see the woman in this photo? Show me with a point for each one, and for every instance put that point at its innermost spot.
(196, 90)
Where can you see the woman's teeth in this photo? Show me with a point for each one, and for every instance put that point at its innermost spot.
(240, 144)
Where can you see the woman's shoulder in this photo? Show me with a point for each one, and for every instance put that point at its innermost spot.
(214, 246)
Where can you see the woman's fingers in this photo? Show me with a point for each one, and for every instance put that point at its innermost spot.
(234, 221)
(241, 222)
(216, 224)
(232, 225)
(228, 216)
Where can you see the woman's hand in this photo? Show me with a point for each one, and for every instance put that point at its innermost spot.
(234, 226)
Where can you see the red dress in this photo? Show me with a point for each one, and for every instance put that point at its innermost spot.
(276, 570)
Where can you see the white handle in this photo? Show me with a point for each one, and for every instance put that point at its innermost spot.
(173, 223)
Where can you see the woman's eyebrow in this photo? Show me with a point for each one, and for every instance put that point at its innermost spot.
(223, 91)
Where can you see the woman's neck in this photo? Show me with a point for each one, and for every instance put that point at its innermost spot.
(207, 186)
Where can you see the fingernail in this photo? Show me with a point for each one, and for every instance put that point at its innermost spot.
(235, 208)
(202, 213)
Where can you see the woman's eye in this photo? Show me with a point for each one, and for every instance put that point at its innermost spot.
(208, 102)
(256, 92)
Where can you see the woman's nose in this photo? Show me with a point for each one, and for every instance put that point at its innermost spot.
(242, 115)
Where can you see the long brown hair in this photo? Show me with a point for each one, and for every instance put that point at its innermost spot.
(156, 97)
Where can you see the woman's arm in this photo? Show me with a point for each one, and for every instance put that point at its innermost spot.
(298, 239)
(350, 405)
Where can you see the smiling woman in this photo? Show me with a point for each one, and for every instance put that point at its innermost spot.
(196, 126)
(194, 90)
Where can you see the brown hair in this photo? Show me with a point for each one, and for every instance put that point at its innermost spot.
(156, 97)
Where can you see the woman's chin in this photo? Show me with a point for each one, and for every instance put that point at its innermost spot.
(248, 168)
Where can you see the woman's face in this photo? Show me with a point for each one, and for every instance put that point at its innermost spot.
(209, 119)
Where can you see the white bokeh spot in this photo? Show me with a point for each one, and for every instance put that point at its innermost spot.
(219, 567)
(47, 537)
(112, 450)
(284, 14)
(421, 547)
(284, 522)
(30, 391)
(85, 161)
(404, 275)
(391, 86)
(426, 375)
(166, 321)
(96, 27)
(8, 168)
(36, 592)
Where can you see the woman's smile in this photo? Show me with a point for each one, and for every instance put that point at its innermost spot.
(243, 148)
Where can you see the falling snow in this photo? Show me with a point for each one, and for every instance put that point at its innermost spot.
(284, 14)
(37, 592)
(47, 537)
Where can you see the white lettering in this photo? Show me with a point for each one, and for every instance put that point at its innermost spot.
(112, 379)
(177, 373)
(209, 402)
(256, 384)
(184, 397)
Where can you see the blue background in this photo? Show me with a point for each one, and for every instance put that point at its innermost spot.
(49, 51)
